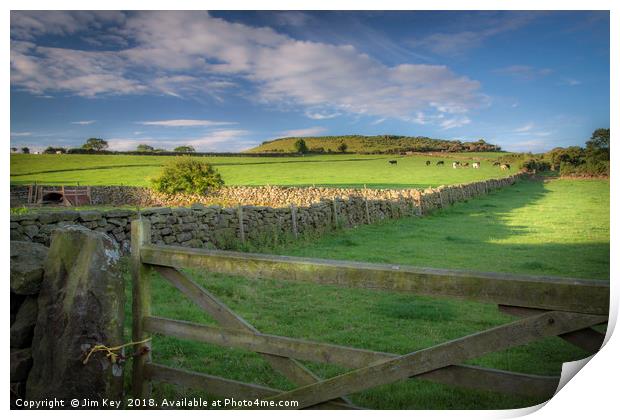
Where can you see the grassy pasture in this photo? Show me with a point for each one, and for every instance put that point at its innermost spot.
(374, 171)
(559, 227)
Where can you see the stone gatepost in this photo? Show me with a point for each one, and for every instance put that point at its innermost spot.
(81, 304)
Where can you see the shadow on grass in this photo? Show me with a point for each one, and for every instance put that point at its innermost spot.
(477, 235)
(480, 230)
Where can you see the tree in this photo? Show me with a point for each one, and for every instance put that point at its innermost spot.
(13, 149)
(599, 139)
(301, 147)
(25, 150)
(597, 148)
(52, 150)
(96, 144)
(342, 147)
(186, 174)
(144, 148)
(577, 161)
(184, 149)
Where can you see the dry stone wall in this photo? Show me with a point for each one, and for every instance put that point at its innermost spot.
(201, 226)
(269, 196)
(231, 196)
(19, 195)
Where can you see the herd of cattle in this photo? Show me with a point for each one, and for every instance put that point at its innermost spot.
(456, 164)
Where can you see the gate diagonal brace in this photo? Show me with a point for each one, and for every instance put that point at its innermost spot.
(452, 352)
(292, 369)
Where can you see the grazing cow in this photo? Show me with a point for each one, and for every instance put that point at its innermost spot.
(455, 164)
(393, 162)
(496, 164)
(504, 167)
(428, 163)
(466, 164)
(476, 165)
(439, 162)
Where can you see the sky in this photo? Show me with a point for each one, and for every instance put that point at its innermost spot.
(227, 81)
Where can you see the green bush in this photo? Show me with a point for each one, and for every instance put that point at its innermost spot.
(535, 165)
(188, 175)
(591, 168)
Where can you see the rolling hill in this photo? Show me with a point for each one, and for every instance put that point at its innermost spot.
(374, 144)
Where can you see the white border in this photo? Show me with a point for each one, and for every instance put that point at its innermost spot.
(591, 394)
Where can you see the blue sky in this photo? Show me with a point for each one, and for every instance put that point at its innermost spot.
(226, 81)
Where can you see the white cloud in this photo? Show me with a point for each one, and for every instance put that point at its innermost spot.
(528, 130)
(303, 132)
(21, 134)
(190, 86)
(526, 73)
(320, 115)
(193, 54)
(220, 140)
(458, 42)
(186, 123)
(450, 43)
(525, 128)
(454, 122)
(570, 82)
(86, 73)
(29, 24)
(292, 18)
(88, 122)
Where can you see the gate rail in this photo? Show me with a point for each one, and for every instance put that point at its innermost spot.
(546, 306)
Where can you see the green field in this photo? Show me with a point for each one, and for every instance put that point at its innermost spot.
(374, 171)
(560, 227)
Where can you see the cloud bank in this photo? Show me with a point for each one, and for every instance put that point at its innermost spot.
(192, 54)
(218, 140)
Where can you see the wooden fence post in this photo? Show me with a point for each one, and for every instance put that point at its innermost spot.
(335, 208)
(367, 211)
(141, 305)
(294, 220)
(241, 230)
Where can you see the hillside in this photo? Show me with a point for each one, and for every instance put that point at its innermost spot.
(374, 144)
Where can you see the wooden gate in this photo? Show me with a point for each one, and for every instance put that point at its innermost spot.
(547, 306)
(66, 195)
